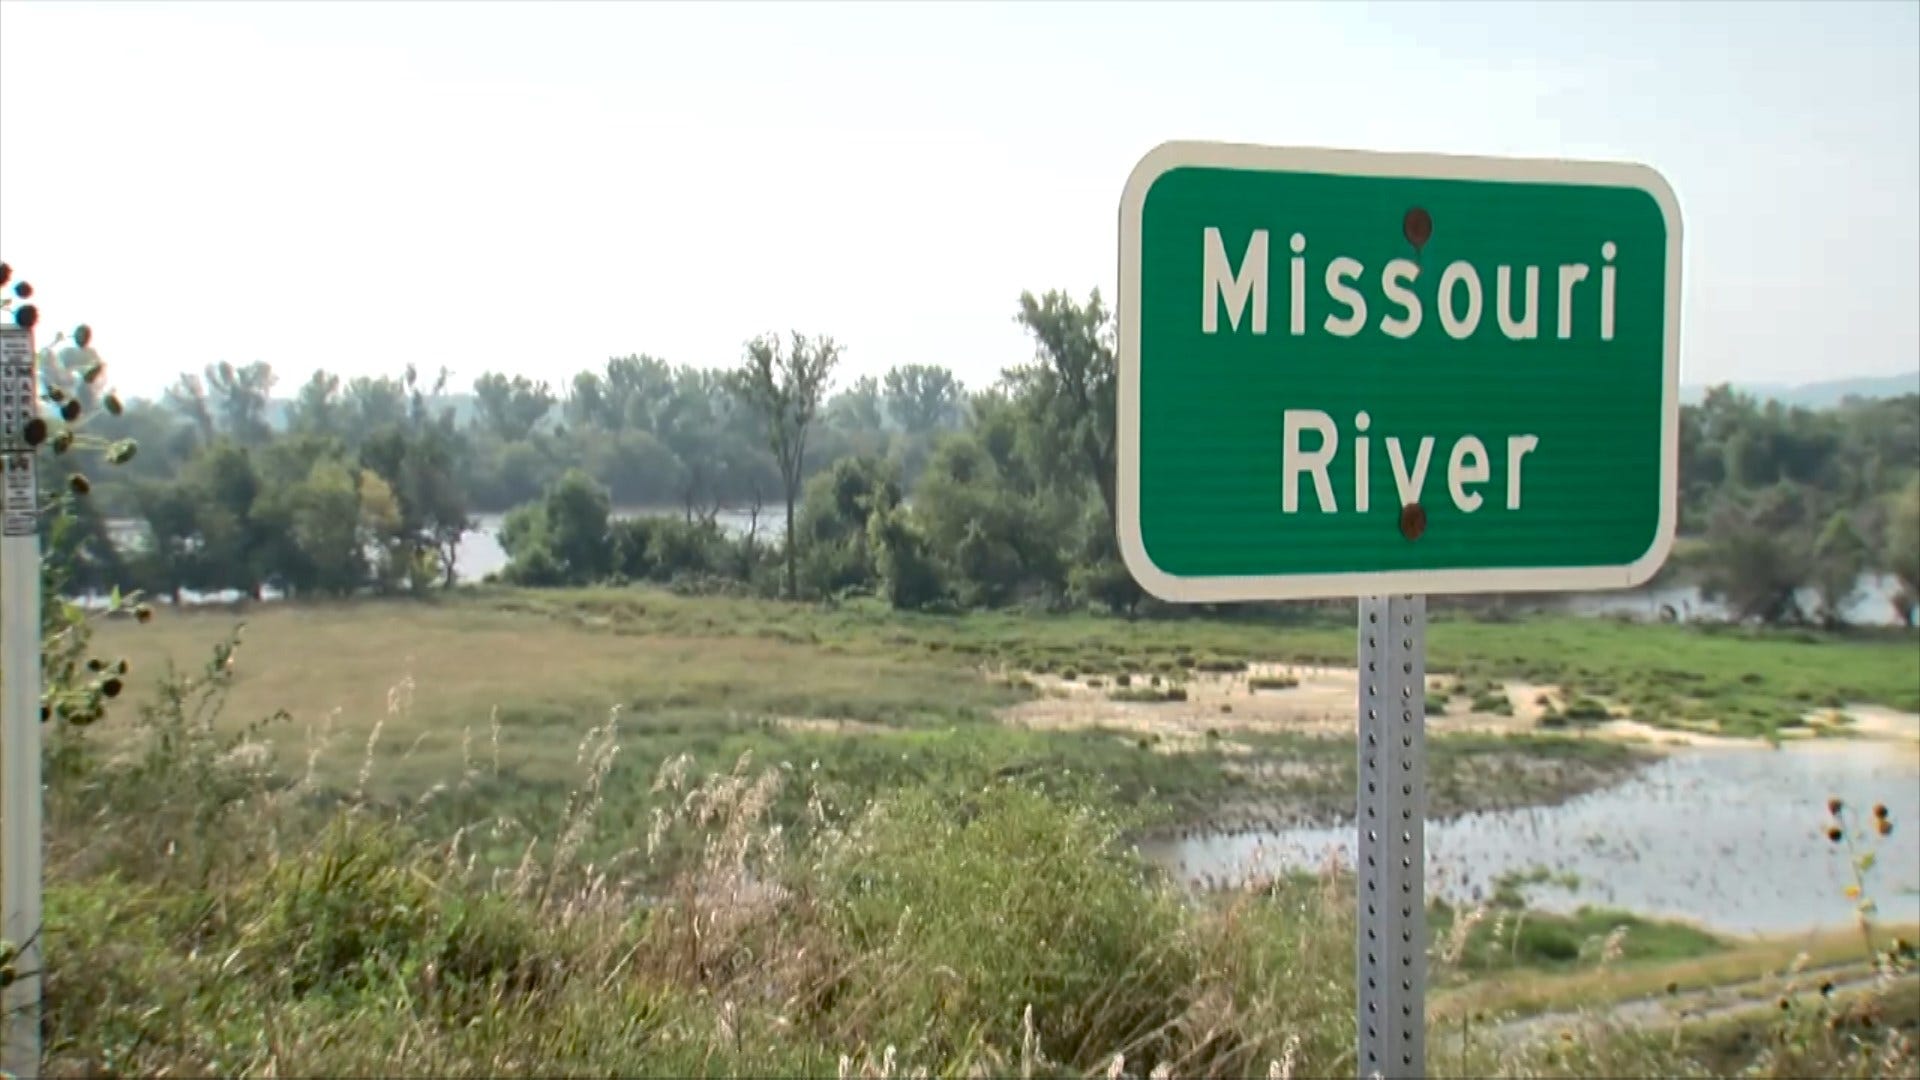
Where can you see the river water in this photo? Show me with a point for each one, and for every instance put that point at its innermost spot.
(1733, 838)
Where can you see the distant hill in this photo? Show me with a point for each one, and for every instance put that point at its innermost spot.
(1819, 395)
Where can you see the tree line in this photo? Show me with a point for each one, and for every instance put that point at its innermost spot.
(909, 485)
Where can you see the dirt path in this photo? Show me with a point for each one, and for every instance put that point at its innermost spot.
(1212, 708)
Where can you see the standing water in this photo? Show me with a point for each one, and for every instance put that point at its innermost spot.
(1732, 838)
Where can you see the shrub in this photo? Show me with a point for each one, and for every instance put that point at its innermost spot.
(1586, 709)
(1493, 701)
(1148, 695)
(976, 912)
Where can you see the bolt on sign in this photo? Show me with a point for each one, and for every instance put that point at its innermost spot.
(1346, 373)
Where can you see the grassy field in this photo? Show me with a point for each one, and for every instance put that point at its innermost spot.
(628, 832)
(1739, 680)
(479, 706)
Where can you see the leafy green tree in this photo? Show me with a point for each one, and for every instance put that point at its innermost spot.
(785, 385)
(240, 397)
(562, 539)
(1759, 555)
(910, 577)
(922, 398)
(1068, 392)
(996, 541)
(1840, 556)
(318, 410)
(223, 488)
(510, 409)
(324, 520)
(188, 397)
(833, 521)
(857, 408)
(1901, 556)
(374, 405)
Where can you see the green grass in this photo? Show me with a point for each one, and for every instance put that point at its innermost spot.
(1747, 681)
(412, 695)
(1514, 939)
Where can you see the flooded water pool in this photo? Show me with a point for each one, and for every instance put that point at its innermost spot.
(1734, 838)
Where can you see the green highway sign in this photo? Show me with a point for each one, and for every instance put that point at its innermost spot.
(1352, 374)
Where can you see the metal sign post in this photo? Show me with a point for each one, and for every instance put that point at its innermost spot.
(1389, 377)
(20, 851)
(1390, 866)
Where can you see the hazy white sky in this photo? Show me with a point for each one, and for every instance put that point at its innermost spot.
(533, 188)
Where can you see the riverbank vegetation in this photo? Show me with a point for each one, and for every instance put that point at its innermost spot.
(905, 484)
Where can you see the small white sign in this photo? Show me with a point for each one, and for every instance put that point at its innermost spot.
(22, 496)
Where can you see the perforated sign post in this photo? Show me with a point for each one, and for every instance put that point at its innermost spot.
(1387, 376)
(20, 851)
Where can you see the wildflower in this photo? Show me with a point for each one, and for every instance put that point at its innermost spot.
(1834, 834)
(1826, 988)
(1883, 827)
(1853, 892)
(80, 484)
(1673, 988)
(1834, 806)
(1785, 1005)
(23, 290)
(26, 317)
(70, 411)
(83, 336)
(1880, 810)
(35, 432)
(143, 613)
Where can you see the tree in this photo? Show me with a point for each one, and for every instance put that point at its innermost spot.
(562, 539)
(1759, 555)
(785, 386)
(317, 409)
(373, 405)
(1069, 390)
(511, 408)
(188, 397)
(1840, 556)
(240, 396)
(857, 408)
(1902, 555)
(833, 519)
(922, 398)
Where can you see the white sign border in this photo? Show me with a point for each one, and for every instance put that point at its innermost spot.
(1221, 589)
